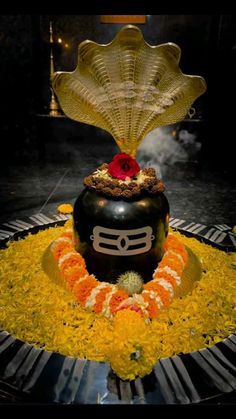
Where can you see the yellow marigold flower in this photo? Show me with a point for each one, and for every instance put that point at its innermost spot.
(65, 208)
(43, 313)
(69, 224)
(133, 352)
(234, 229)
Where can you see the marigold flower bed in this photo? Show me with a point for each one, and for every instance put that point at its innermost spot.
(37, 310)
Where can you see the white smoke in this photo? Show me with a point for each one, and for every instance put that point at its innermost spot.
(165, 146)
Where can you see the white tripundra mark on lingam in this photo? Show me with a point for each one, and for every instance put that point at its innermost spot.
(122, 241)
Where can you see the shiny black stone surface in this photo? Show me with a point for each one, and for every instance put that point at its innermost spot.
(94, 211)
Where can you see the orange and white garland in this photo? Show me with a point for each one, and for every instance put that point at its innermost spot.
(106, 298)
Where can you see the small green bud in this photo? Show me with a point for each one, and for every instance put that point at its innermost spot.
(131, 282)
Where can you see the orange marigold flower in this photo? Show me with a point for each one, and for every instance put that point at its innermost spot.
(74, 273)
(152, 308)
(68, 234)
(168, 277)
(173, 262)
(100, 298)
(182, 252)
(84, 288)
(65, 208)
(73, 268)
(162, 293)
(116, 299)
(61, 248)
(172, 243)
(74, 259)
(171, 239)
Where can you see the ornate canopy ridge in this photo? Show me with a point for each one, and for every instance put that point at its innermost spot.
(127, 87)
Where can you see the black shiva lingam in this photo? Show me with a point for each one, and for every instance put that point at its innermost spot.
(116, 234)
(127, 88)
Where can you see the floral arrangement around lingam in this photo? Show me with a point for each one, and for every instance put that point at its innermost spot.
(118, 257)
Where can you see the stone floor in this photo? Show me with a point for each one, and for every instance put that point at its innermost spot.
(49, 169)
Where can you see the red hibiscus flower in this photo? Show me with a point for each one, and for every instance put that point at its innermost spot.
(123, 166)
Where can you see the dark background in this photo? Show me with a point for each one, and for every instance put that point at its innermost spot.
(43, 159)
(208, 49)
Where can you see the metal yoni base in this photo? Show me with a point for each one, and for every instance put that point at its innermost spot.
(28, 374)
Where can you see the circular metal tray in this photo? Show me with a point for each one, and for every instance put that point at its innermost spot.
(31, 375)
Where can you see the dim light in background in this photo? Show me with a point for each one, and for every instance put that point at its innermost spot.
(123, 19)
